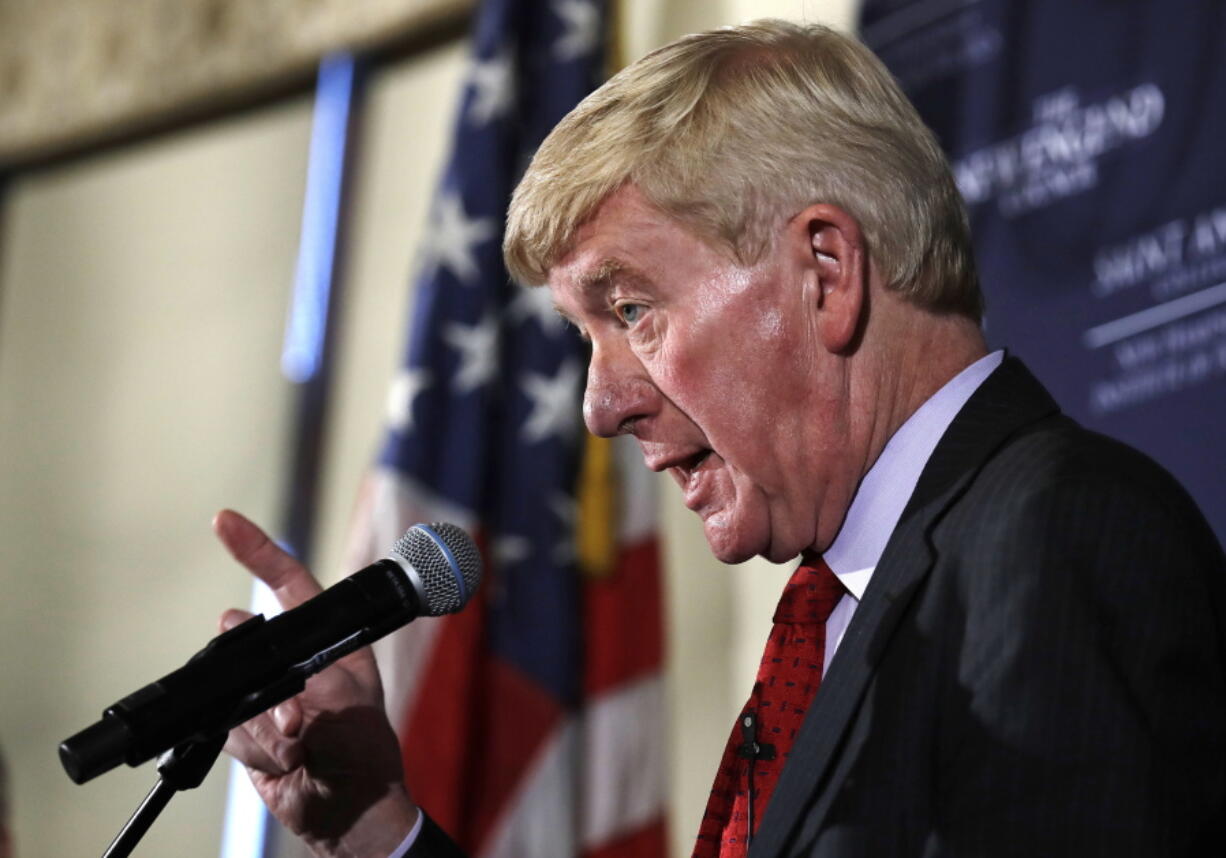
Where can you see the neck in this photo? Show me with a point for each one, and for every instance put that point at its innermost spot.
(938, 349)
(906, 355)
(910, 364)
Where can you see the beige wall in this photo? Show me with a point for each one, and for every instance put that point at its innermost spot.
(142, 297)
(140, 319)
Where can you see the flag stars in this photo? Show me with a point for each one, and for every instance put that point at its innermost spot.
(581, 22)
(477, 347)
(405, 388)
(554, 403)
(493, 88)
(453, 238)
(510, 549)
(536, 302)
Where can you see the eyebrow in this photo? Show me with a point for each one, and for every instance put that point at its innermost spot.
(599, 277)
(602, 274)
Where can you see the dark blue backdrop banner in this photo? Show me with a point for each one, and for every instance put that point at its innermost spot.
(1089, 140)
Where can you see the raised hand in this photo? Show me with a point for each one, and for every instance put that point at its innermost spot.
(327, 762)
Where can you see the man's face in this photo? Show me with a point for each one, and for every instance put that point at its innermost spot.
(712, 366)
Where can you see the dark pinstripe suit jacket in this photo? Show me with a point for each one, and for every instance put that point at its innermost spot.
(1037, 667)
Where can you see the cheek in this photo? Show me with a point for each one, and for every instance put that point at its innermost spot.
(757, 369)
(729, 372)
(768, 325)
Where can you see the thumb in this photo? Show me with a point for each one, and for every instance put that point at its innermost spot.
(287, 715)
(232, 618)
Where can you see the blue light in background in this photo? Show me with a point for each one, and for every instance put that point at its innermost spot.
(302, 356)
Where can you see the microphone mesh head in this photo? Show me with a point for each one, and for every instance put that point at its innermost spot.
(447, 562)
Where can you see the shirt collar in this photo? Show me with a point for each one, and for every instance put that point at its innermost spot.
(889, 483)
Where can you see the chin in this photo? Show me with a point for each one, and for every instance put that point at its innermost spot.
(731, 547)
(730, 556)
(782, 554)
(731, 544)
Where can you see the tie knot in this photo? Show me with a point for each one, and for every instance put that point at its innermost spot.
(811, 593)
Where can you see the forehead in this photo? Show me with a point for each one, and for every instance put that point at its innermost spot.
(622, 227)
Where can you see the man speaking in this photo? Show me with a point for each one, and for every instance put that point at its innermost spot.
(1006, 635)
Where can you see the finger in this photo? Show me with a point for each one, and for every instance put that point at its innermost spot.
(289, 580)
(243, 748)
(287, 716)
(286, 752)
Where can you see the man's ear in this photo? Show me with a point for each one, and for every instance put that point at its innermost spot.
(831, 248)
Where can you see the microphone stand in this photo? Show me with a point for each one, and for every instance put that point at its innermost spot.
(180, 768)
(185, 766)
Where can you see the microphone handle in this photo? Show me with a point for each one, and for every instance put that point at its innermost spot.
(244, 671)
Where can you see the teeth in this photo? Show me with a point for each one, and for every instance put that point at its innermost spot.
(690, 464)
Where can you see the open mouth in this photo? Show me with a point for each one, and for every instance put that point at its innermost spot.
(679, 464)
(695, 461)
(692, 463)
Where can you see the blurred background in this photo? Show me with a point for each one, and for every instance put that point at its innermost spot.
(154, 162)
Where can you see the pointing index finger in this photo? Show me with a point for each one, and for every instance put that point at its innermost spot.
(289, 580)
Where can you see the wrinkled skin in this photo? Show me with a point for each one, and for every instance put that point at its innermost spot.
(723, 372)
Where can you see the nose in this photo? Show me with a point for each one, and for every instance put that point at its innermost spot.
(619, 392)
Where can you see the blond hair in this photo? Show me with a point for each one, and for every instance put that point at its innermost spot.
(734, 131)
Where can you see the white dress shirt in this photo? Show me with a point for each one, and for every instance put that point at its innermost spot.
(885, 490)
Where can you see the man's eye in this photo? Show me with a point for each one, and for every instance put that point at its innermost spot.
(629, 313)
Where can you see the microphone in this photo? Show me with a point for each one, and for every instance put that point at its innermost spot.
(432, 570)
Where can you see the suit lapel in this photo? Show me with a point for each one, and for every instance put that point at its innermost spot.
(1010, 399)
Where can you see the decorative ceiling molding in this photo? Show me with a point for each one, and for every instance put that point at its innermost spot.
(75, 72)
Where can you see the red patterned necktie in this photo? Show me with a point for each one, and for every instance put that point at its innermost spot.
(762, 738)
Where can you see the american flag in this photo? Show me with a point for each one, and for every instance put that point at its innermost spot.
(533, 720)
